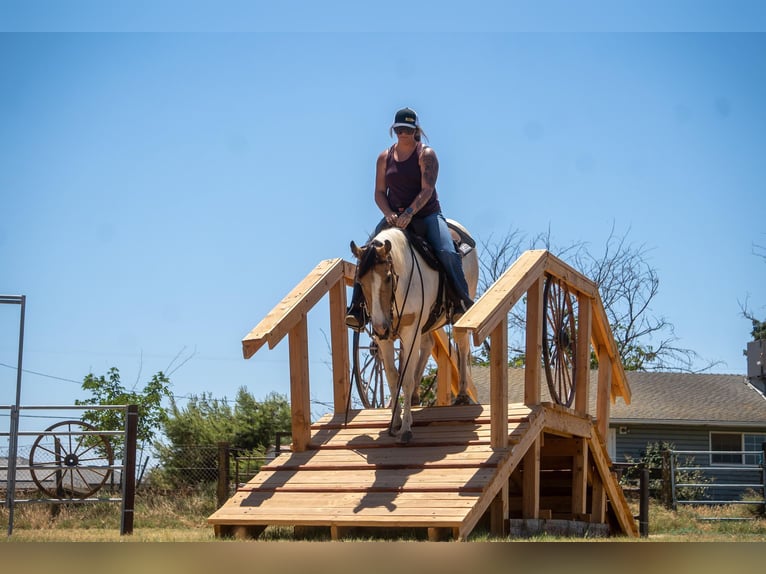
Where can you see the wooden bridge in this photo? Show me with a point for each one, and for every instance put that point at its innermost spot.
(466, 465)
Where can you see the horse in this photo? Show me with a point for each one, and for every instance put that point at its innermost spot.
(400, 289)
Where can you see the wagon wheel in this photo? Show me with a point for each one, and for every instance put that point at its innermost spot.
(367, 371)
(559, 340)
(64, 463)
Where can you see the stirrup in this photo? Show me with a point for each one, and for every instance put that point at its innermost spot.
(355, 320)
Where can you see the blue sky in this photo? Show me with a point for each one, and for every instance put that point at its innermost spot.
(163, 187)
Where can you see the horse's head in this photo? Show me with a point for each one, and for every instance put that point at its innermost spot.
(375, 275)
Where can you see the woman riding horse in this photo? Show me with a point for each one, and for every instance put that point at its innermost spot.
(405, 191)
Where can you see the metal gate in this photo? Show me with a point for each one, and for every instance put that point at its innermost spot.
(716, 484)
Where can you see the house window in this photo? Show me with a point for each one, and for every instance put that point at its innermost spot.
(726, 442)
(754, 442)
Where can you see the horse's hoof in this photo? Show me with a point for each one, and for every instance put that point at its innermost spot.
(462, 399)
(405, 437)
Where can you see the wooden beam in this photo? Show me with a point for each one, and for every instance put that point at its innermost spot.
(534, 343)
(582, 358)
(341, 377)
(561, 421)
(290, 311)
(492, 308)
(498, 384)
(300, 404)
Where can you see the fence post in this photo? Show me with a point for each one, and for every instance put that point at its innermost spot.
(643, 511)
(223, 473)
(763, 473)
(129, 470)
(667, 498)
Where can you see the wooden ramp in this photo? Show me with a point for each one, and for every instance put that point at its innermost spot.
(354, 475)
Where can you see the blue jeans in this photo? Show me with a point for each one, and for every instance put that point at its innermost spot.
(434, 228)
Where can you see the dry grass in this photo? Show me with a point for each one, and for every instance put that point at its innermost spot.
(183, 518)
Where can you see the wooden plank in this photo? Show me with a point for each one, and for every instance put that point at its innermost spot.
(341, 376)
(288, 312)
(446, 456)
(493, 306)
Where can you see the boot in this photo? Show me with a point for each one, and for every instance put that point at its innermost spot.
(460, 308)
(356, 318)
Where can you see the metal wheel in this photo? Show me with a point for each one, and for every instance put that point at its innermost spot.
(559, 340)
(65, 463)
(367, 371)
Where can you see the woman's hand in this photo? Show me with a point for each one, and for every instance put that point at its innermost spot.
(391, 219)
(403, 220)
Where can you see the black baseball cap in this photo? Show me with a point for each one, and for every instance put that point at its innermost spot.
(405, 118)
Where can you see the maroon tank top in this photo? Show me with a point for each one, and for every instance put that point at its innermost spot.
(403, 183)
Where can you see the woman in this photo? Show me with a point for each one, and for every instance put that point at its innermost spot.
(405, 191)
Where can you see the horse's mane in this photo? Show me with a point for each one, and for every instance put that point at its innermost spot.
(369, 259)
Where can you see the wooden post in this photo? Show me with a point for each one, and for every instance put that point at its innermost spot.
(582, 361)
(222, 491)
(580, 477)
(443, 369)
(498, 385)
(530, 499)
(604, 392)
(534, 343)
(129, 470)
(498, 512)
(341, 377)
(300, 403)
(643, 513)
(667, 486)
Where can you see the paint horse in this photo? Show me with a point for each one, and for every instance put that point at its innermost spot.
(400, 289)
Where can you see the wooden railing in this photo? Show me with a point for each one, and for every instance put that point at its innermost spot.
(487, 318)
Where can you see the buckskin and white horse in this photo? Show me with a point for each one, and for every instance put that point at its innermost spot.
(400, 290)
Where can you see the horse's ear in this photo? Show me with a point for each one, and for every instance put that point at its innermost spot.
(356, 251)
(382, 250)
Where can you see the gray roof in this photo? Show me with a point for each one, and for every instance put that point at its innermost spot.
(662, 398)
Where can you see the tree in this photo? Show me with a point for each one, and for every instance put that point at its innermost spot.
(628, 285)
(758, 331)
(110, 391)
(192, 433)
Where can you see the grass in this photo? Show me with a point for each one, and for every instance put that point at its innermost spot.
(182, 517)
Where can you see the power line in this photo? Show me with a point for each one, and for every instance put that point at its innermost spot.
(41, 374)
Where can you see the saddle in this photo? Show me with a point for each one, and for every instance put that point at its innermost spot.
(446, 299)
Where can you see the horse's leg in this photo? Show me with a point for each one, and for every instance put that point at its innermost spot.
(426, 344)
(464, 369)
(408, 362)
(386, 348)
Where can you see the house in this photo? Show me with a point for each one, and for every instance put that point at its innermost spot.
(693, 412)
